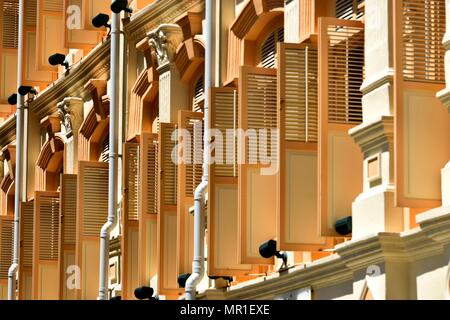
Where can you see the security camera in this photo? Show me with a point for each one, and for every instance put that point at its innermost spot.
(24, 90)
(12, 100)
(101, 20)
(58, 59)
(269, 249)
(119, 6)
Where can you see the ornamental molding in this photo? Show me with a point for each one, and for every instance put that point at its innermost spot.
(164, 41)
(70, 112)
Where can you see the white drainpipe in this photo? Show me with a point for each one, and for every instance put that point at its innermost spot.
(113, 157)
(18, 177)
(198, 268)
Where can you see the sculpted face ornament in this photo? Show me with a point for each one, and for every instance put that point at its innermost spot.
(65, 118)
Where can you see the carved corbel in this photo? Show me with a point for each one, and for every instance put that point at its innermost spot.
(70, 112)
(9, 154)
(52, 125)
(164, 41)
(97, 89)
(191, 24)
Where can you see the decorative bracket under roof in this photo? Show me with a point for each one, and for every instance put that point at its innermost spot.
(70, 112)
(52, 125)
(97, 89)
(191, 24)
(165, 40)
(9, 154)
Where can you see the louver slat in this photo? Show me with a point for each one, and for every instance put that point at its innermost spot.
(92, 212)
(50, 32)
(26, 252)
(298, 225)
(9, 17)
(149, 207)
(167, 213)
(258, 161)
(6, 252)
(420, 118)
(46, 248)
(341, 62)
(132, 201)
(190, 137)
(67, 238)
(223, 244)
(77, 37)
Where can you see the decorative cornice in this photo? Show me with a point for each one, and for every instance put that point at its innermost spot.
(436, 224)
(374, 135)
(444, 97)
(159, 12)
(378, 80)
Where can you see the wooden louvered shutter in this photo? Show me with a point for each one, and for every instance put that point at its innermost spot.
(257, 189)
(50, 32)
(341, 62)
(189, 177)
(92, 212)
(31, 76)
(67, 233)
(167, 214)
(149, 207)
(269, 48)
(26, 250)
(223, 219)
(46, 248)
(349, 9)
(6, 252)
(422, 126)
(298, 226)
(79, 38)
(132, 200)
(9, 17)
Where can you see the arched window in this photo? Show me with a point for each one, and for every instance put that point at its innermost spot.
(269, 48)
(198, 96)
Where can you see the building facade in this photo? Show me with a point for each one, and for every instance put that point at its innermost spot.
(328, 126)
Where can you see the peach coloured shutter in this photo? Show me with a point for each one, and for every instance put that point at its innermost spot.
(6, 247)
(298, 225)
(31, 76)
(132, 200)
(167, 214)
(257, 191)
(26, 250)
(9, 17)
(223, 224)
(50, 32)
(67, 234)
(189, 177)
(149, 174)
(341, 61)
(92, 212)
(78, 37)
(422, 128)
(46, 249)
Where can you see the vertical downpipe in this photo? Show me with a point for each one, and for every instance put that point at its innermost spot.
(198, 262)
(113, 156)
(18, 177)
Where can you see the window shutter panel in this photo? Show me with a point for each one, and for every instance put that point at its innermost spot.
(104, 153)
(199, 95)
(167, 214)
(223, 219)
(130, 222)
(67, 240)
(257, 191)
(147, 246)
(420, 117)
(46, 249)
(298, 225)
(50, 32)
(189, 177)
(8, 51)
(6, 252)
(26, 251)
(92, 212)
(341, 52)
(80, 38)
(31, 76)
